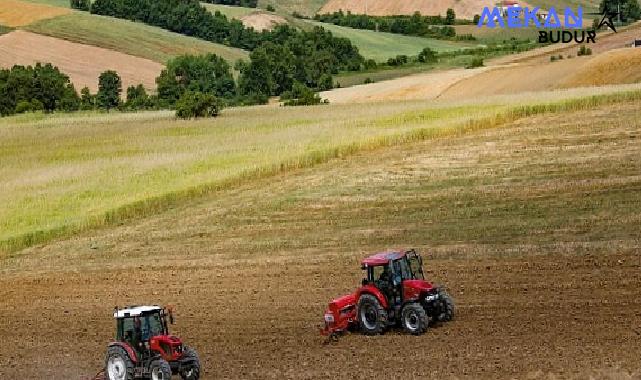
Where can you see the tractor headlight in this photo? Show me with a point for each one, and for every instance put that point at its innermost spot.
(430, 298)
(329, 318)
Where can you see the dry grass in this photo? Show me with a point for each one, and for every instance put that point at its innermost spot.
(614, 67)
(18, 13)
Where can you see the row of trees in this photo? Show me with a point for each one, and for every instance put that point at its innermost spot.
(415, 25)
(237, 3)
(278, 57)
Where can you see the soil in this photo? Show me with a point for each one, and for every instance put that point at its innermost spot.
(82, 63)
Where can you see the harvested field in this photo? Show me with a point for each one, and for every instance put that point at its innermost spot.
(464, 8)
(262, 20)
(82, 63)
(19, 13)
(533, 227)
(613, 67)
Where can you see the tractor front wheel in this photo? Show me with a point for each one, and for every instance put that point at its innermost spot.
(447, 307)
(160, 370)
(190, 367)
(371, 315)
(118, 365)
(414, 319)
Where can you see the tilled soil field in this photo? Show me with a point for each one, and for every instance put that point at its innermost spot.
(533, 227)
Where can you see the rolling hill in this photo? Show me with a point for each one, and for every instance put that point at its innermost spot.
(129, 37)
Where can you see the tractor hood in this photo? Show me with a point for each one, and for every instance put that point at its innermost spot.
(171, 340)
(414, 288)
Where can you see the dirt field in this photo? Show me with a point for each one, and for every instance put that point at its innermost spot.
(533, 227)
(17, 13)
(82, 63)
(262, 21)
(531, 71)
(463, 8)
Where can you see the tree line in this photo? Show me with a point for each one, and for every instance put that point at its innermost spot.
(278, 57)
(414, 25)
(236, 3)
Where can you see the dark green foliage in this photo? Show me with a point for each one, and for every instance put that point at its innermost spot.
(415, 25)
(206, 73)
(369, 64)
(238, 3)
(427, 55)
(450, 17)
(583, 50)
(476, 19)
(109, 89)
(44, 87)
(368, 80)
(137, 99)
(193, 104)
(630, 10)
(400, 60)
(87, 101)
(301, 95)
(270, 8)
(475, 62)
(83, 5)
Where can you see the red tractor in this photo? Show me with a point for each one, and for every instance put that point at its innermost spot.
(144, 349)
(394, 292)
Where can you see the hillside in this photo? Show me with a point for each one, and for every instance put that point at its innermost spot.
(531, 227)
(304, 7)
(464, 8)
(129, 37)
(82, 63)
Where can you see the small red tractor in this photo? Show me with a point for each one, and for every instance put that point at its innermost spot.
(394, 292)
(144, 349)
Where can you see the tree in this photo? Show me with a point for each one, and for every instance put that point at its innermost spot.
(256, 77)
(208, 74)
(630, 10)
(137, 98)
(109, 89)
(450, 17)
(87, 101)
(301, 95)
(83, 5)
(427, 55)
(196, 104)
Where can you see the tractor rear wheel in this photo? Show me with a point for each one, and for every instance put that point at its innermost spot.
(447, 307)
(190, 365)
(414, 319)
(160, 370)
(371, 315)
(118, 365)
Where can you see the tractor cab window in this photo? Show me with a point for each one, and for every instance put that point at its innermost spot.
(402, 269)
(381, 274)
(152, 325)
(416, 266)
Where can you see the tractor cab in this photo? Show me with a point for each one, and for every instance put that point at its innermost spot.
(144, 347)
(398, 275)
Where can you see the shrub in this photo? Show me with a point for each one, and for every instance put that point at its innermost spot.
(83, 5)
(583, 50)
(23, 106)
(193, 104)
(427, 55)
(270, 8)
(475, 62)
(368, 80)
(301, 95)
(369, 64)
(109, 89)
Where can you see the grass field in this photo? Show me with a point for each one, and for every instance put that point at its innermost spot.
(304, 7)
(229, 11)
(129, 37)
(381, 46)
(55, 3)
(67, 173)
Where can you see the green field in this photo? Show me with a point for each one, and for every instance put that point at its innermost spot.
(129, 37)
(230, 11)
(304, 7)
(381, 46)
(55, 3)
(65, 173)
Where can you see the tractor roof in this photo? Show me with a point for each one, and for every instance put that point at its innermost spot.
(382, 258)
(134, 311)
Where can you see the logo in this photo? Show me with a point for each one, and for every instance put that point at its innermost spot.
(563, 27)
(607, 19)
